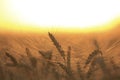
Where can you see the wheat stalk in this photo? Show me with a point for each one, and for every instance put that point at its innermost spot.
(32, 59)
(46, 55)
(92, 68)
(15, 63)
(80, 71)
(91, 56)
(2, 75)
(68, 71)
(69, 58)
(57, 45)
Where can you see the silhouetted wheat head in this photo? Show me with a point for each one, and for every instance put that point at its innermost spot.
(57, 45)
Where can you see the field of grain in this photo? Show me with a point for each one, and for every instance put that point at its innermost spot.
(63, 56)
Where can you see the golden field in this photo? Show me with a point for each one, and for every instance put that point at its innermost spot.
(60, 56)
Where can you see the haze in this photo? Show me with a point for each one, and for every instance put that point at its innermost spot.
(63, 15)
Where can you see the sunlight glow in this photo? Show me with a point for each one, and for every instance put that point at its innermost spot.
(61, 13)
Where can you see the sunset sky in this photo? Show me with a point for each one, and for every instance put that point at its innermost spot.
(62, 15)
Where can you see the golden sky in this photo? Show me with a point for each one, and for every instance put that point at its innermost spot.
(59, 15)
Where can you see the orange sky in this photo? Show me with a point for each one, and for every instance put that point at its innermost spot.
(59, 15)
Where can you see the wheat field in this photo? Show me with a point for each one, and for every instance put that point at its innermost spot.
(60, 56)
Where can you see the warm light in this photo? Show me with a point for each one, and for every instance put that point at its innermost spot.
(64, 14)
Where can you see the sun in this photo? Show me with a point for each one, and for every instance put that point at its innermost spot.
(66, 14)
